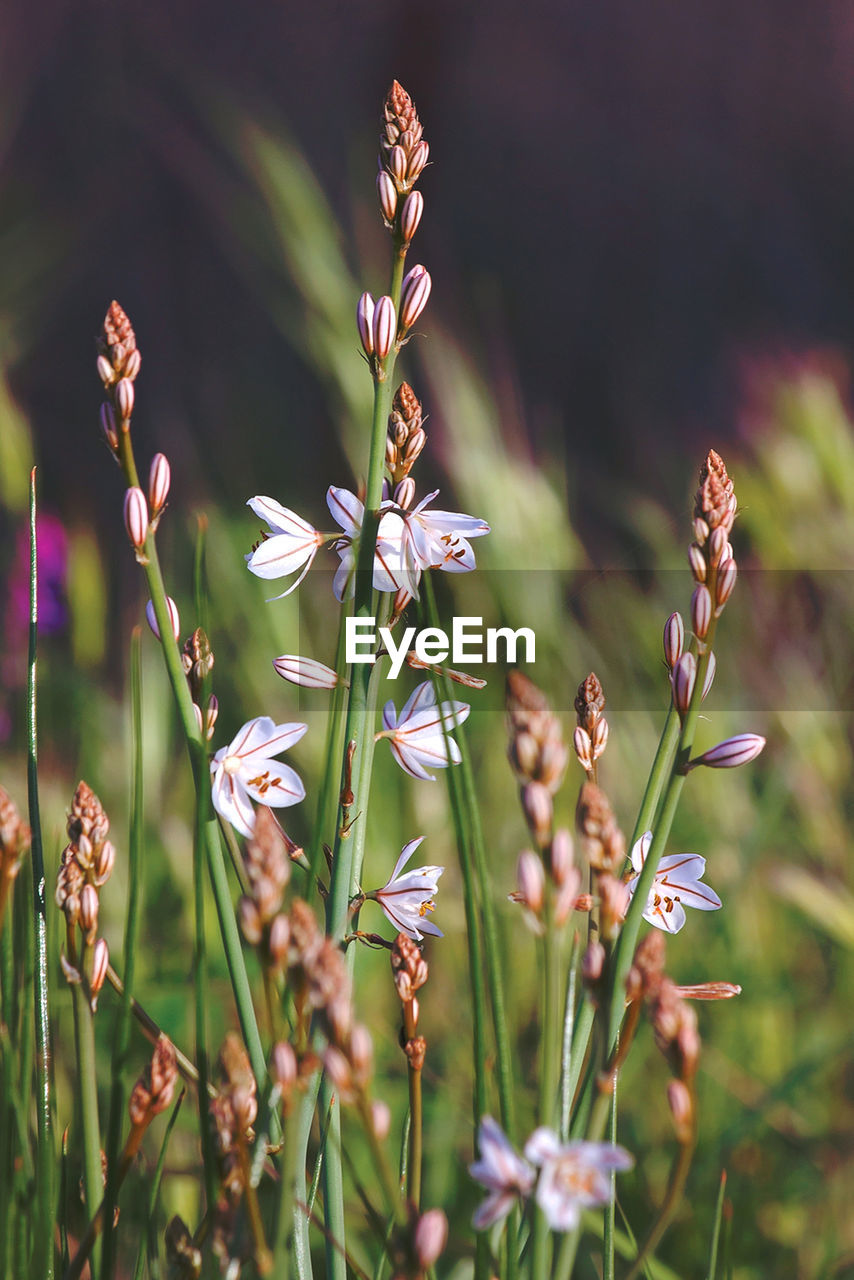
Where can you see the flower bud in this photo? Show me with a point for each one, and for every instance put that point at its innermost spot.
(211, 714)
(725, 583)
(108, 424)
(306, 672)
(136, 517)
(89, 910)
(384, 327)
(613, 903)
(365, 323)
(106, 371)
(124, 397)
(539, 811)
(600, 737)
(710, 673)
(561, 856)
(682, 680)
(674, 639)
(397, 164)
(280, 937)
(530, 881)
(380, 1120)
(583, 748)
(679, 1101)
(593, 962)
(361, 1054)
(717, 546)
(417, 161)
(697, 561)
(410, 215)
(173, 617)
(413, 296)
(132, 364)
(250, 920)
(701, 611)
(701, 530)
(387, 193)
(741, 749)
(100, 964)
(431, 1235)
(404, 493)
(105, 862)
(284, 1066)
(159, 479)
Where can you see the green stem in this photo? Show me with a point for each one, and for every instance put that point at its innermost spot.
(43, 1249)
(549, 1067)
(87, 1083)
(611, 1206)
(416, 1136)
(132, 921)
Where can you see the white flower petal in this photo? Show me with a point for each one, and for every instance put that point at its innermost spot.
(274, 784)
(346, 510)
(281, 519)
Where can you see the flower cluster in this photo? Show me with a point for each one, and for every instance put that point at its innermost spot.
(86, 866)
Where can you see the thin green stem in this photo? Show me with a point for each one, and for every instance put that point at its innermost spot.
(282, 1252)
(549, 1067)
(610, 1207)
(121, 1042)
(87, 1083)
(566, 1090)
(43, 1235)
(416, 1136)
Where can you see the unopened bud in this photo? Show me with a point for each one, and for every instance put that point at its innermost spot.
(697, 561)
(413, 296)
(89, 911)
(250, 920)
(365, 323)
(431, 1236)
(539, 810)
(159, 479)
(384, 327)
(410, 215)
(136, 517)
(106, 372)
(404, 493)
(561, 856)
(583, 748)
(613, 903)
(600, 737)
(361, 1054)
(104, 862)
(718, 544)
(124, 397)
(100, 965)
(387, 193)
(397, 164)
(682, 1110)
(280, 937)
(380, 1120)
(725, 582)
(417, 161)
(211, 714)
(530, 881)
(593, 962)
(108, 424)
(132, 364)
(284, 1066)
(682, 679)
(173, 617)
(701, 611)
(674, 639)
(710, 673)
(701, 530)
(306, 672)
(741, 749)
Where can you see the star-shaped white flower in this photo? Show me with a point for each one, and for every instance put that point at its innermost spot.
(292, 545)
(245, 770)
(417, 736)
(506, 1176)
(573, 1175)
(440, 539)
(390, 570)
(407, 899)
(677, 885)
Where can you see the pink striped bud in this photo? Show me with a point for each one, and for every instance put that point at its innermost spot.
(283, 1063)
(173, 618)
(729, 754)
(717, 546)
(387, 193)
(124, 396)
(89, 910)
(306, 672)
(600, 737)
(725, 583)
(697, 561)
(397, 164)
(710, 674)
(108, 424)
(159, 480)
(530, 881)
(560, 856)
(280, 940)
(105, 862)
(701, 530)
(106, 372)
(136, 517)
(404, 493)
(674, 639)
(701, 611)
(583, 748)
(132, 364)
(100, 964)
(410, 215)
(682, 1109)
(682, 679)
(593, 962)
(413, 296)
(431, 1236)
(384, 327)
(417, 161)
(365, 322)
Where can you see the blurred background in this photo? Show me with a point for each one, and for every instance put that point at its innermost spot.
(638, 222)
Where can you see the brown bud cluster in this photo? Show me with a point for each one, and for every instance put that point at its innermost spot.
(184, 1258)
(118, 364)
(233, 1113)
(268, 870)
(14, 842)
(710, 555)
(317, 975)
(197, 660)
(591, 734)
(410, 972)
(406, 437)
(537, 752)
(604, 842)
(86, 864)
(154, 1089)
(403, 151)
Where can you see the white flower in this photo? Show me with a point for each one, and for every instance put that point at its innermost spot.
(573, 1176)
(439, 539)
(502, 1171)
(245, 770)
(417, 736)
(390, 571)
(677, 882)
(407, 899)
(292, 546)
